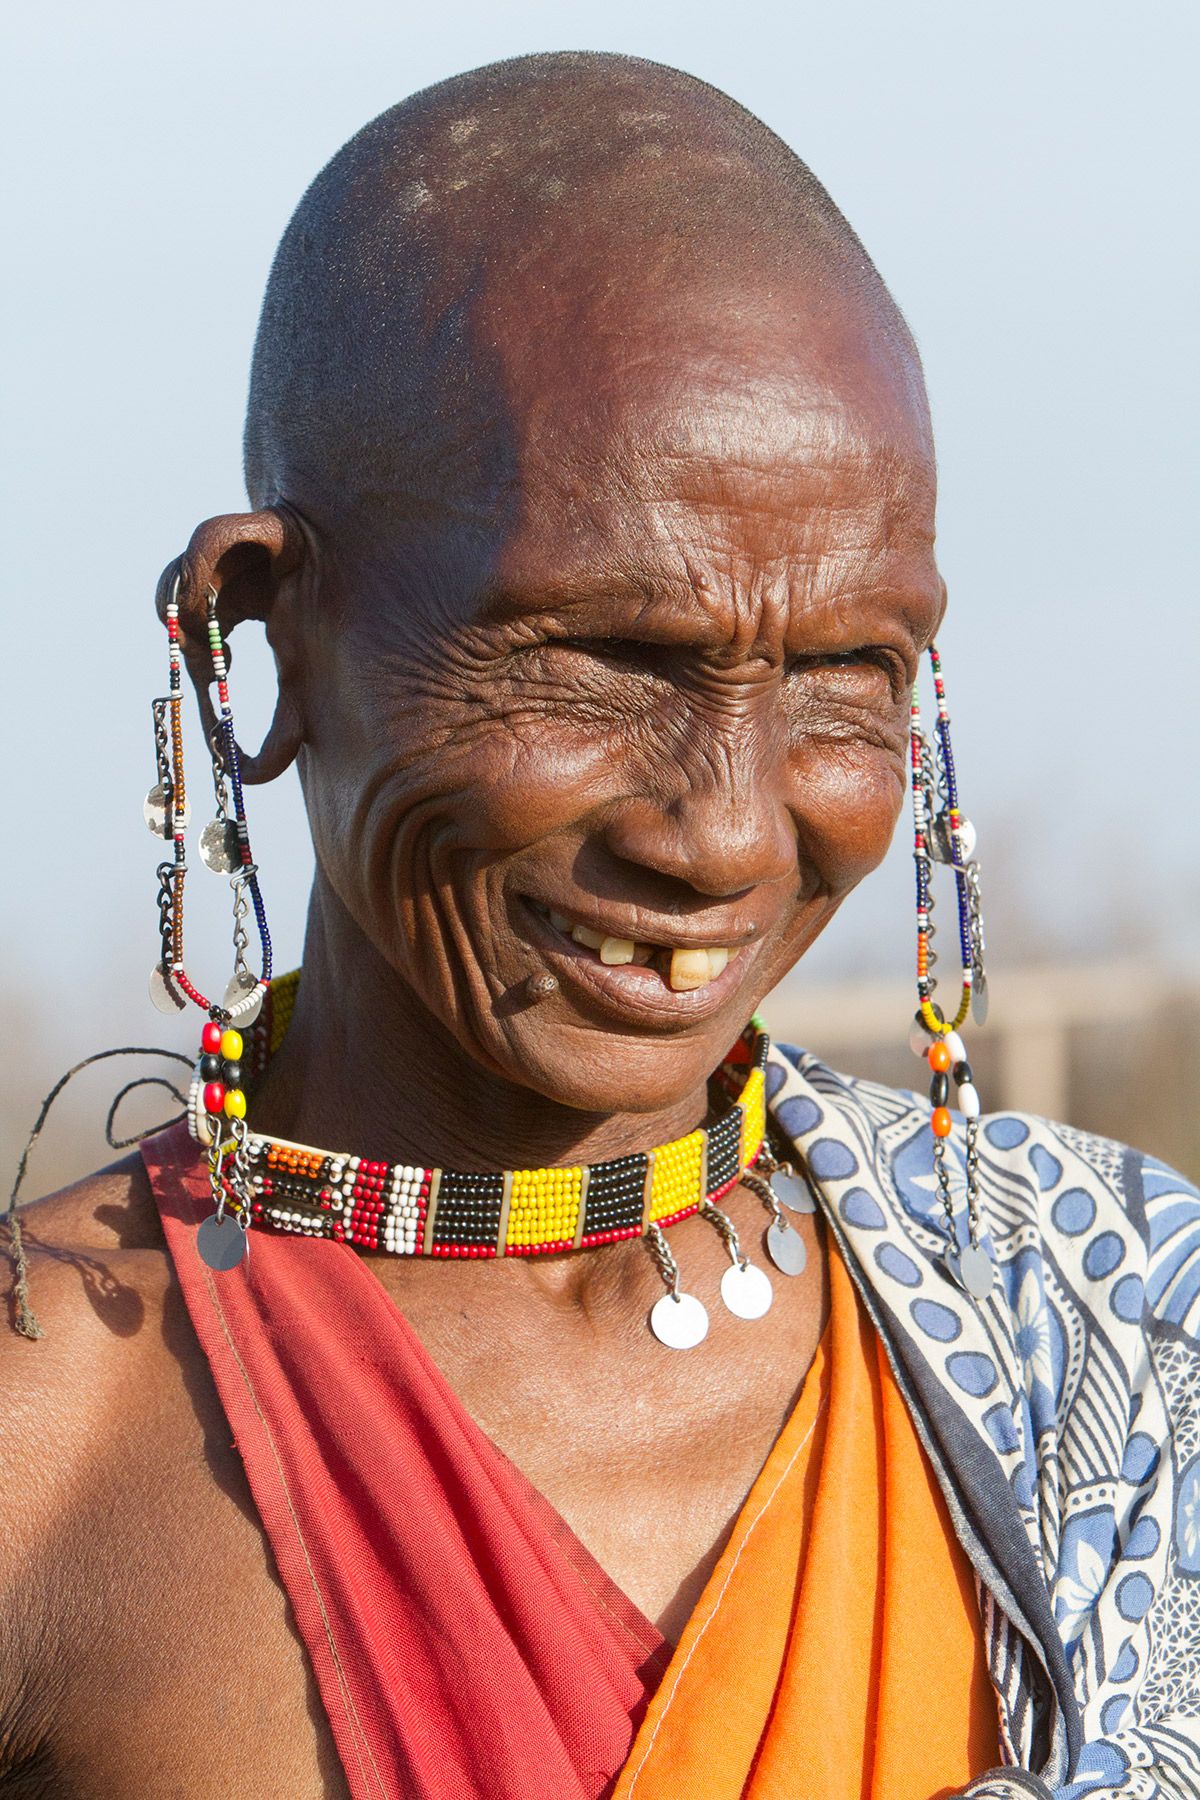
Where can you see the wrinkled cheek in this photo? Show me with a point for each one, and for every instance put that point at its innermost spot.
(528, 787)
(847, 815)
(407, 843)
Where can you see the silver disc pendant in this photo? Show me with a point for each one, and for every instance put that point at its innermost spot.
(786, 1248)
(973, 1270)
(163, 995)
(236, 992)
(942, 843)
(154, 811)
(979, 998)
(679, 1321)
(221, 1242)
(792, 1191)
(746, 1290)
(220, 849)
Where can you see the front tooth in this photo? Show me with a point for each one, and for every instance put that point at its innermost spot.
(617, 950)
(583, 934)
(689, 969)
(560, 921)
(717, 960)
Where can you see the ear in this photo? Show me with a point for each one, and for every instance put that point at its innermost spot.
(256, 563)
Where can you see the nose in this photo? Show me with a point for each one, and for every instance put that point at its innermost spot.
(722, 824)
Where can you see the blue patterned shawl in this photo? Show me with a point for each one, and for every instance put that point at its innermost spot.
(1061, 1415)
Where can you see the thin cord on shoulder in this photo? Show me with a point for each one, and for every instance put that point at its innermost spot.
(25, 1319)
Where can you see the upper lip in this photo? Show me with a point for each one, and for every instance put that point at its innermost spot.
(643, 928)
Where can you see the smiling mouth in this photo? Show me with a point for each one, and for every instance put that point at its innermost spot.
(684, 968)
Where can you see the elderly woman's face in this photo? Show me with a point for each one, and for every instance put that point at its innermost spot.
(652, 737)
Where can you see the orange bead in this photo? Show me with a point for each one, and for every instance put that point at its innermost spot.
(939, 1059)
(941, 1121)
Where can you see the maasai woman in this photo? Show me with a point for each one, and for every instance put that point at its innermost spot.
(517, 1377)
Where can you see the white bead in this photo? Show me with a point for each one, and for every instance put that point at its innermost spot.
(956, 1047)
(968, 1101)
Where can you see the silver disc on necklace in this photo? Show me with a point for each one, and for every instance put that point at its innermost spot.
(786, 1248)
(679, 1321)
(974, 1270)
(236, 992)
(163, 994)
(746, 1290)
(220, 848)
(792, 1191)
(221, 1242)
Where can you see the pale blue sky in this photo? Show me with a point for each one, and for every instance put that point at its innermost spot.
(1023, 174)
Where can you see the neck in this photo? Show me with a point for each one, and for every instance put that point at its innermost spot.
(365, 1067)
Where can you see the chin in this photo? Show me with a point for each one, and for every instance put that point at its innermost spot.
(605, 1069)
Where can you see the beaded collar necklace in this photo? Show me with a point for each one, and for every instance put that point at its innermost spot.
(405, 1209)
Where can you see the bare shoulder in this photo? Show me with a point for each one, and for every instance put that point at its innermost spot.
(92, 1248)
(101, 1285)
(116, 1463)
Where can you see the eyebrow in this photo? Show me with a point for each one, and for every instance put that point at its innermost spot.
(501, 600)
(505, 601)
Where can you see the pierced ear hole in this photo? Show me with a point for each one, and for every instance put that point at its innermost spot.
(256, 690)
(243, 577)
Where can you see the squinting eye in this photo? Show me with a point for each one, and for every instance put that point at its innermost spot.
(870, 657)
(625, 653)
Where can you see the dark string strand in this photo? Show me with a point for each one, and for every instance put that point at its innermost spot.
(25, 1319)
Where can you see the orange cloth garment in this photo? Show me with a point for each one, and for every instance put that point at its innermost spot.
(836, 1652)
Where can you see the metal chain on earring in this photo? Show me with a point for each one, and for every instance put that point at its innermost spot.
(241, 938)
(223, 1241)
(979, 990)
(974, 1210)
(943, 1182)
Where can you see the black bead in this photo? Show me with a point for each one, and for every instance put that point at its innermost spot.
(939, 1090)
(962, 1072)
(233, 1075)
(210, 1068)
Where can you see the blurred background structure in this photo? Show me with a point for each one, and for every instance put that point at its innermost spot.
(1022, 175)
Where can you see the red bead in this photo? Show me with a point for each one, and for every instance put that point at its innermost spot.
(210, 1038)
(939, 1057)
(941, 1122)
(214, 1097)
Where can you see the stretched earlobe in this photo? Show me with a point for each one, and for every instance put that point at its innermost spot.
(249, 562)
(279, 749)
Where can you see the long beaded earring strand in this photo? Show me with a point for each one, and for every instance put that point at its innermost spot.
(942, 834)
(224, 848)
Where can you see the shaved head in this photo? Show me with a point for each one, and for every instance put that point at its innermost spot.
(611, 487)
(557, 198)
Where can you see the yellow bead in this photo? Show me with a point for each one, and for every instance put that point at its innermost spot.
(235, 1100)
(231, 1047)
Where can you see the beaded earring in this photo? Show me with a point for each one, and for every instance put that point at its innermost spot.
(942, 835)
(225, 849)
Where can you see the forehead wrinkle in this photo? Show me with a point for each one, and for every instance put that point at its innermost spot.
(717, 526)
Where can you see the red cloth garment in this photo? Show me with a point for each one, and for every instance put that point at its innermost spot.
(463, 1640)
